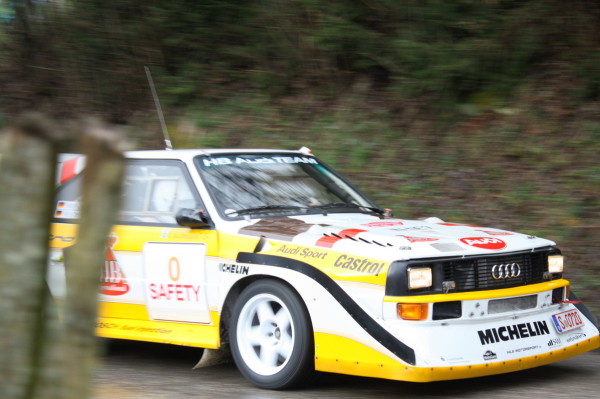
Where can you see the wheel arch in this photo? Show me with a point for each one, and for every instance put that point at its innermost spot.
(351, 307)
(234, 293)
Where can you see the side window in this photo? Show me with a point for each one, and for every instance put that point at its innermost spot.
(153, 191)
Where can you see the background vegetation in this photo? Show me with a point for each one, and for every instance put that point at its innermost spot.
(479, 111)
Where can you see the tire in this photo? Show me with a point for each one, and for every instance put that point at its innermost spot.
(271, 336)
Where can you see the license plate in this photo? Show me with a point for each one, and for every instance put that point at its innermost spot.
(567, 321)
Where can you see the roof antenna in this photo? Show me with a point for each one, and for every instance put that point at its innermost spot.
(168, 145)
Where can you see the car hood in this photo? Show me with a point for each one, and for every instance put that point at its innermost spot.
(391, 238)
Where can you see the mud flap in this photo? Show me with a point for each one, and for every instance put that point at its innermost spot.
(583, 309)
(213, 357)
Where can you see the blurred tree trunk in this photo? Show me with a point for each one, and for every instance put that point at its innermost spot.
(83, 261)
(42, 356)
(26, 176)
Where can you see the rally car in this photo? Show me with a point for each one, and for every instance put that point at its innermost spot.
(274, 256)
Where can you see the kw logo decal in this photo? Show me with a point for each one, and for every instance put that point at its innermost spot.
(113, 281)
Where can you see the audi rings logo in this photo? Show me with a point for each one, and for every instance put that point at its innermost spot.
(506, 270)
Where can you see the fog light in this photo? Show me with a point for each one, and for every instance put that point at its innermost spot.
(447, 286)
(555, 263)
(413, 311)
(419, 277)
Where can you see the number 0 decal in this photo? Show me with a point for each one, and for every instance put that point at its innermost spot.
(174, 281)
(174, 269)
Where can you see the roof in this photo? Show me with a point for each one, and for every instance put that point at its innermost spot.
(186, 154)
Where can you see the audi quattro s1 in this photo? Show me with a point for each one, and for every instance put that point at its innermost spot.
(275, 258)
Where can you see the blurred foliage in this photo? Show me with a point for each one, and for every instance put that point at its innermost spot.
(482, 111)
(90, 53)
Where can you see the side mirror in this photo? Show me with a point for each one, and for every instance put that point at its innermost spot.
(195, 219)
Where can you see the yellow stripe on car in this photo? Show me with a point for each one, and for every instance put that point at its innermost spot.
(187, 334)
(475, 295)
(361, 360)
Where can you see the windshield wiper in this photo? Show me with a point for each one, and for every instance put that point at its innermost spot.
(323, 208)
(264, 208)
(349, 205)
(378, 211)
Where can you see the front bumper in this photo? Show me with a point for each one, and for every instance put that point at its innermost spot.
(367, 362)
(481, 341)
(428, 374)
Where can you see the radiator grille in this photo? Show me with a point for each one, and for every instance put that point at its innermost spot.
(476, 273)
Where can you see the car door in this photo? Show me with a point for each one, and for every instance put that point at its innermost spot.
(153, 268)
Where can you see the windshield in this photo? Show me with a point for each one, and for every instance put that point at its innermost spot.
(274, 184)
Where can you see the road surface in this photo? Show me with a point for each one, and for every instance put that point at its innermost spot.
(136, 370)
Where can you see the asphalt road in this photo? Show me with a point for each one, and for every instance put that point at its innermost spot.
(135, 370)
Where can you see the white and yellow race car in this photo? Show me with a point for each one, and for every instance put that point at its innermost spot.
(274, 256)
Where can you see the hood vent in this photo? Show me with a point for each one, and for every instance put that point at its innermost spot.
(447, 247)
(345, 236)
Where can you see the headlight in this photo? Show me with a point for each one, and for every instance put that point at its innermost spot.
(555, 263)
(419, 277)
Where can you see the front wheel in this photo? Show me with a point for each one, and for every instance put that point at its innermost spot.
(271, 336)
